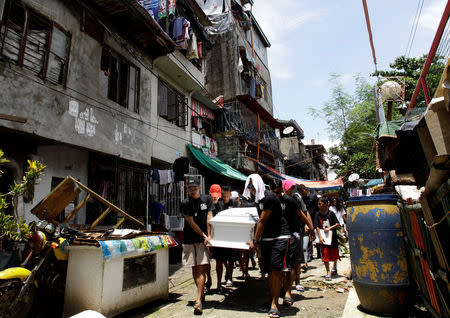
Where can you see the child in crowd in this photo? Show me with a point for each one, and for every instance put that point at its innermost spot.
(327, 221)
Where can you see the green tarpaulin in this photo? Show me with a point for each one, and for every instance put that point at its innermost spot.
(388, 128)
(216, 165)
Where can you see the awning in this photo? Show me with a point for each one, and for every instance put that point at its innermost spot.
(199, 110)
(310, 184)
(388, 128)
(216, 165)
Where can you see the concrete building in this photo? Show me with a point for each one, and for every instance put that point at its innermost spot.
(97, 90)
(315, 155)
(238, 70)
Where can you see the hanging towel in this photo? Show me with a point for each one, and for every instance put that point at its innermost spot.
(258, 183)
(192, 51)
(165, 177)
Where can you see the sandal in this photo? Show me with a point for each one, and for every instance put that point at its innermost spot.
(273, 313)
(334, 272)
(288, 301)
(198, 310)
(229, 283)
(328, 278)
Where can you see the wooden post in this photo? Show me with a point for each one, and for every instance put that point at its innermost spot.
(389, 110)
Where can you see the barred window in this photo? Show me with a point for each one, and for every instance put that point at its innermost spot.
(34, 43)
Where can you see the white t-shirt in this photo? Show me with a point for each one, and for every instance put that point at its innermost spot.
(339, 214)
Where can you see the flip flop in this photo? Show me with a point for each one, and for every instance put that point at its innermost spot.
(273, 313)
(288, 301)
(198, 310)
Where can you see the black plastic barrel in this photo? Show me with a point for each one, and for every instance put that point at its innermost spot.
(377, 253)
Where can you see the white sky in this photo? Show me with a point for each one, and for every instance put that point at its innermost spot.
(311, 39)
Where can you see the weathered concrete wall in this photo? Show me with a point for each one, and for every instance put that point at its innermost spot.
(289, 146)
(78, 114)
(61, 161)
(264, 72)
(222, 70)
(223, 76)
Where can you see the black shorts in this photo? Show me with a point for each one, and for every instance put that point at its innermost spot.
(224, 254)
(279, 254)
(300, 256)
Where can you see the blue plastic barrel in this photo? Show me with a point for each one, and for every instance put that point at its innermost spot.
(377, 253)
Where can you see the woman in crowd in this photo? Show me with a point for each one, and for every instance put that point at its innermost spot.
(327, 221)
(337, 207)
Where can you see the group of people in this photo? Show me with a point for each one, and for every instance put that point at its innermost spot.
(288, 223)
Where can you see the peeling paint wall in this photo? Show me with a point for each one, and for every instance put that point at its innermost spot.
(78, 114)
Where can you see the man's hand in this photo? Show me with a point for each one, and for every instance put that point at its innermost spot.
(207, 241)
(326, 230)
(321, 240)
(312, 236)
(252, 246)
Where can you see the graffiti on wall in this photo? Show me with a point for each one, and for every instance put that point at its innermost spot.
(85, 121)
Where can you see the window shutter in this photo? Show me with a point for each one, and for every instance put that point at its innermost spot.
(58, 56)
(11, 32)
(162, 99)
(171, 105)
(36, 45)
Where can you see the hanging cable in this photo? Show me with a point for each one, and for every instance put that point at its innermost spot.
(366, 13)
(415, 29)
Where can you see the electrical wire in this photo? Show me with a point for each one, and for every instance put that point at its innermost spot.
(108, 110)
(415, 29)
(415, 20)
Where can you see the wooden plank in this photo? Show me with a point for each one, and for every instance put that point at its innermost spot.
(57, 200)
(442, 259)
(100, 218)
(13, 118)
(77, 208)
(119, 223)
(101, 199)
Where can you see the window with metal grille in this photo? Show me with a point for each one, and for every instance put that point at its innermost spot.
(172, 105)
(119, 80)
(34, 42)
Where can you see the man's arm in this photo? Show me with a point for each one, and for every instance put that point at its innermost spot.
(307, 221)
(265, 216)
(195, 227)
(208, 224)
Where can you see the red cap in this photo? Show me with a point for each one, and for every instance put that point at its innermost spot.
(215, 191)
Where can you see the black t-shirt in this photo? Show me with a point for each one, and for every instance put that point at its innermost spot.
(270, 202)
(301, 203)
(216, 208)
(332, 219)
(197, 208)
(290, 222)
(231, 204)
(311, 203)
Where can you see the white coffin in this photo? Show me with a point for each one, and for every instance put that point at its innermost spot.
(234, 227)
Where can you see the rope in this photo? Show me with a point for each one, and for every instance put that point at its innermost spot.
(436, 224)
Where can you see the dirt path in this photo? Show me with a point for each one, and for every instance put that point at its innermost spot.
(242, 300)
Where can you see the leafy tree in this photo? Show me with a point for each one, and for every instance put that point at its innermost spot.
(352, 120)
